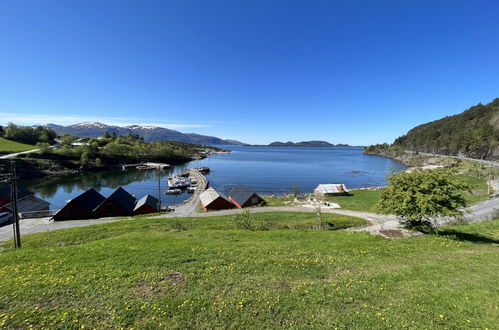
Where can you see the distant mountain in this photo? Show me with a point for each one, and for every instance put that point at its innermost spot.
(149, 133)
(306, 144)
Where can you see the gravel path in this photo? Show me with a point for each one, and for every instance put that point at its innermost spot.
(18, 153)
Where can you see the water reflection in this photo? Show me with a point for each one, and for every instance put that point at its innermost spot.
(76, 183)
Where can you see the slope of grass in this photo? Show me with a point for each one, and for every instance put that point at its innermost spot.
(358, 200)
(8, 146)
(478, 188)
(150, 273)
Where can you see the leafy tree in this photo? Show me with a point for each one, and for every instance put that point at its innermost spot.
(1, 130)
(420, 195)
(44, 147)
(30, 135)
(67, 139)
(85, 160)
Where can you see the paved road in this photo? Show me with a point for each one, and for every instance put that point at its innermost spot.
(487, 162)
(18, 153)
(485, 210)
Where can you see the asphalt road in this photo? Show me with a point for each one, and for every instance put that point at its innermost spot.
(487, 162)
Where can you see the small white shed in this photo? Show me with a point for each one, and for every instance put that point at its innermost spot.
(331, 189)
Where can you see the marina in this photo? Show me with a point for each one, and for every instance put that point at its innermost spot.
(265, 170)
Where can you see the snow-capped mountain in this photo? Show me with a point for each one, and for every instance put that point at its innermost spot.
(148, 132)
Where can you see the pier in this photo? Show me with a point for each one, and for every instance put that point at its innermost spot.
(189, 206)
(147, 165)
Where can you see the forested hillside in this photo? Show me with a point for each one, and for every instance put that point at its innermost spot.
(473, 133)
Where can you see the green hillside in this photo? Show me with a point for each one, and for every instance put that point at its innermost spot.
(473, 133)
(8, 146)
(206, 274)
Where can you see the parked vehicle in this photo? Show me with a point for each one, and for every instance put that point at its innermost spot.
(5, 217)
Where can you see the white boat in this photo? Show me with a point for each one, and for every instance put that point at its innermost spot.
(178, 182)
(173, 191)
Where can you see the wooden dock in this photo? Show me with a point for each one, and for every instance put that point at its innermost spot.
(148, 165)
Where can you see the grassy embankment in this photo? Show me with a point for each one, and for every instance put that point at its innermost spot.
(203, 273)
(8, 146)
(365, 200)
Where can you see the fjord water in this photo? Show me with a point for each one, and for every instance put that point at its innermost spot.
(268, 170)
(280, 169)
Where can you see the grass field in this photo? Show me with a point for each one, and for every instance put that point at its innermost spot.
(478, 188)
(202, 273)
(8, 146)
(365, 200)
(279, 200)
(358, 200)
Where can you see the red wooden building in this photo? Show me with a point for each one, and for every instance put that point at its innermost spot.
(212, 199)
(119, 203)
(147, 204)
(81, 207)
(243, 197)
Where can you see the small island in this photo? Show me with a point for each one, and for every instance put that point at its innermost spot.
(324, 144)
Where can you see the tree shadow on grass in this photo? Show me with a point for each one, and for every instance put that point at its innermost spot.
(468, 237)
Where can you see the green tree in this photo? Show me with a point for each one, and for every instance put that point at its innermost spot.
(44, 147)
(1, 130)
(85, 160)
(420, 195)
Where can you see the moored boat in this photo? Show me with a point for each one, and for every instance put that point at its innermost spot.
(173, 191)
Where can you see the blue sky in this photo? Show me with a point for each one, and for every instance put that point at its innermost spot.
(357, 72)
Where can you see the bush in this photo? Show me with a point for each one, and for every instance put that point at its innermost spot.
(243, 220)
(419, 196)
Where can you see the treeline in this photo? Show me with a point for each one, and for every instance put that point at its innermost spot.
(116, 149)
(474, 133)
(28, 134)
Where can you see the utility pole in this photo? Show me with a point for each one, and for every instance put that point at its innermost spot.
(15, 214)
(490, 178)
(159, 189)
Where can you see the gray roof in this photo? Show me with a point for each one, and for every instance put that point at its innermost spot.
(121, 197)
(89, 200)
(30, 204)
(5, 193)
(241, 194)
(211, 194)
(147, 200)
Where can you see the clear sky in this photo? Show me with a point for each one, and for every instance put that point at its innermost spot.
(357, 72)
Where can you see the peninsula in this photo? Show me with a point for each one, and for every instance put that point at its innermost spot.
(305, 144)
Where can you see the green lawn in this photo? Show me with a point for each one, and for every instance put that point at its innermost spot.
(478, 188)
(365, 200)
(279, 200)
(358, 200)
(8, 146)
(151, 274)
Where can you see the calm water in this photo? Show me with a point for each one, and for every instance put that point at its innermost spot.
(264, 169)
